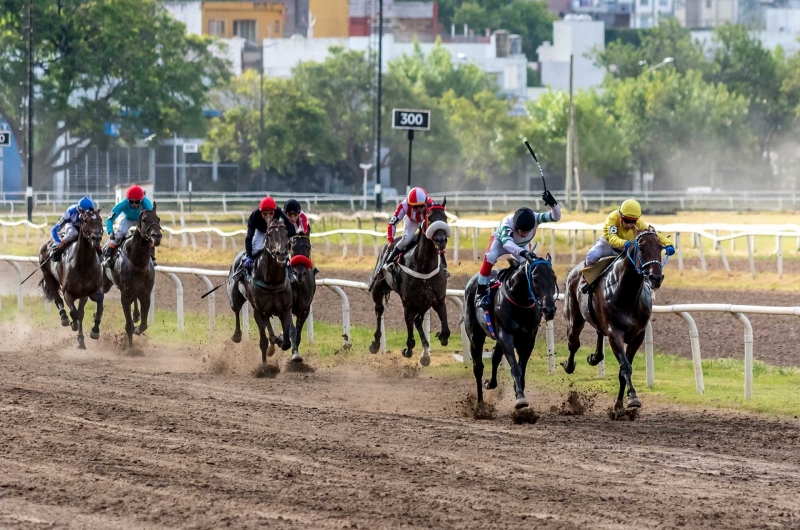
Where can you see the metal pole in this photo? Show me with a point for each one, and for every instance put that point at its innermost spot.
(569, 176)
(29, 191)
(378, 195)
(410, 144)
(261, 116)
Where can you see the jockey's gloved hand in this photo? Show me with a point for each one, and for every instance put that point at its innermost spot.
(548, 198)
(528, 255)
(628, 245)
(248, 263)
(111, 236)
(670, 250)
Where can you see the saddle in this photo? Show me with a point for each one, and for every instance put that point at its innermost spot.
(593, 272)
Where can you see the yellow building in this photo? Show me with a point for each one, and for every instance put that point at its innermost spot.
(253, 21)
(330, 18)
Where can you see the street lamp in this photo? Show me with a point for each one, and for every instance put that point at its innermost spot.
(665, 62)
(366, 168)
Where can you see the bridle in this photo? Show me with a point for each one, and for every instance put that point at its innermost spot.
(273, 229)
(85, 217)
(534, 301)
(437, 225)
(637, 255)
(145, 232)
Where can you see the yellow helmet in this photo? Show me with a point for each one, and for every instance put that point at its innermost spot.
(631, 209)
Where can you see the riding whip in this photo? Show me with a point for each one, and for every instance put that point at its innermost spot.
(237, 273)
(37, 269)
(537, 163)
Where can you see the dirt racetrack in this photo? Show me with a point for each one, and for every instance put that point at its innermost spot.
(187, 438)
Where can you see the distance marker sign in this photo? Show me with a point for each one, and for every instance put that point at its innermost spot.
(414, 120)
(5, 138)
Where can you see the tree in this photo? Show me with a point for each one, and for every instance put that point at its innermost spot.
(296, 127)
(122, 61)
(343, 85)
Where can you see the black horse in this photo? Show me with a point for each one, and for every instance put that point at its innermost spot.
(134, 273)
(78, 275)
(268, 290)
(303, 287)
(420, 281)
(527, 292)
(619, 306)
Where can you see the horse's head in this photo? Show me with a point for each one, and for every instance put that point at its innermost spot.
(92, 227)
(436, 227)
(544, 283)
(276, 244)
(301, 246)
(150, 226)
(646, 256)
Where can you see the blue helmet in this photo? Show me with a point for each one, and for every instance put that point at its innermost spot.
(86, 204)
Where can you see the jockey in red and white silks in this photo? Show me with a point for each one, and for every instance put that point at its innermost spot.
(412, 212)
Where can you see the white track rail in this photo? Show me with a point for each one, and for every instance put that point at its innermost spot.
(456, 296)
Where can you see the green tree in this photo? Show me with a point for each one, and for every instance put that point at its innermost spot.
(296, 127)
(123, 61)
(343, 84)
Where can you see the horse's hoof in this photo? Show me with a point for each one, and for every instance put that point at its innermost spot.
(74, 325)
(618, 406)
(65, 322)
(634, 403)
(296, 358)
(374, 347)
(521, 403)
(81, 346)
(94, 335)
(137, 330)
(489, 385)
(270, 350)
(237, 337)
(568, 367)
(407, 353)
(443, 338)
(425, 360)
(594, 359)
(286, 345)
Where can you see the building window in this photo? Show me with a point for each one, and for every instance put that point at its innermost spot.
(245, 29)
(708, 4)
(277, 29)
(216, 28)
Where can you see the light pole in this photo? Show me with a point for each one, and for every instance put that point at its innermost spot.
(378, 197)
(261, 103)
(655, 67)
(366, 168)
(29, 190)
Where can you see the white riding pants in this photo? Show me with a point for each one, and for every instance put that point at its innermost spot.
(259, 238)
(123, 228)
(600, 250)
(409, 229)
(70, 233)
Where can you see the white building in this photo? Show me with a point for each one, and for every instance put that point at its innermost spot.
(646, 13)
(577, 36)
(706, 13)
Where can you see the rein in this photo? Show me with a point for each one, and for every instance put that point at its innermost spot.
(637, 256)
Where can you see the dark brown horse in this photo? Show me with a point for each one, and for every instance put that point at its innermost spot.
(527, 292)
(420, 281)
(304, 286)
(618, 306)
(78, 276)
(133, 272)
(268, 290)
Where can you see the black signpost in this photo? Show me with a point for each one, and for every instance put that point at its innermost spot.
(411, 120)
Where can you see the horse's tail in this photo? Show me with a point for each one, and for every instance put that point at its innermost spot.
(48, 293)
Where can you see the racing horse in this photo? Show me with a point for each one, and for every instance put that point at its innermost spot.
(618, 306)
(526, 292)
(134, 273)
(78, 276)
(419, 281)
(268, 289)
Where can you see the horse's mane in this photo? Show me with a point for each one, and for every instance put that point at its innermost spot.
(504, 274)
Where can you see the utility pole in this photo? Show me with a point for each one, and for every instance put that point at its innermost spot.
(378, 194)
(29, 191)
(261, 117)
(568, 183)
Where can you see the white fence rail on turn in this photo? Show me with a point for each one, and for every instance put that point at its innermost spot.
(456, 296)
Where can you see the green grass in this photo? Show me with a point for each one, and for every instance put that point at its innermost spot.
(775, 389)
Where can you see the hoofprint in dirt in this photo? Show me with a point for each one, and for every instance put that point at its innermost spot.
(121, 442)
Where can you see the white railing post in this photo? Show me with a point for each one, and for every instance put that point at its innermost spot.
(455, 245)
(748, 355)
(551, 347)
(20, 297)
(475, 243)
(245, 321)
(212, 315)
(750, 252)
(310, 325)
(151, 317)
(179, 298)
(679, 248)
(601, 368)
(700, 248)
(649, 358)
(697, 362)
(345, 313)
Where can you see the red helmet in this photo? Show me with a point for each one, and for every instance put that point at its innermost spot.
(417, 196)
(267, 205)
(134, 193)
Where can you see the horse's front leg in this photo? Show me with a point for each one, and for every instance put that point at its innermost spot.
(408, 351)
(506, 342)
(425, 360)
(617, 341)
(441, 310)
(144, 315)
(599, 355)
(497, 358)
(298, 328)
(289, 335)
(263, 341)
(73, 311)
(136, 314)
(126, 310)
(575, 323)
(524, 351)
(630, 353)
(81, 306)
(97, 298)
(378, 297)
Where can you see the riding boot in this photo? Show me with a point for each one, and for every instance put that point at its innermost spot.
(55, 255)
(391, 257)
(290, 272)
(482, 296)
(109, 252)
(153, 255)
(444, 265)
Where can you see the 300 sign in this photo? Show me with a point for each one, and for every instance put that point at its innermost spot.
(5, 138)
(419, 120)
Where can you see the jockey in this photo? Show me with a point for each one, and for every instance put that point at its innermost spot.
(257, 225)
(513, 236)
(620, 230)
(412, 212)
(130, 208)
(71, 221)
(297, 217)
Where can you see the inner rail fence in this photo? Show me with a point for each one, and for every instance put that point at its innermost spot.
(456, 296)
(577, 235)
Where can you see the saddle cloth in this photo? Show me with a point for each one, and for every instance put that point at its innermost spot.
(487, 323)
(592, 272)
